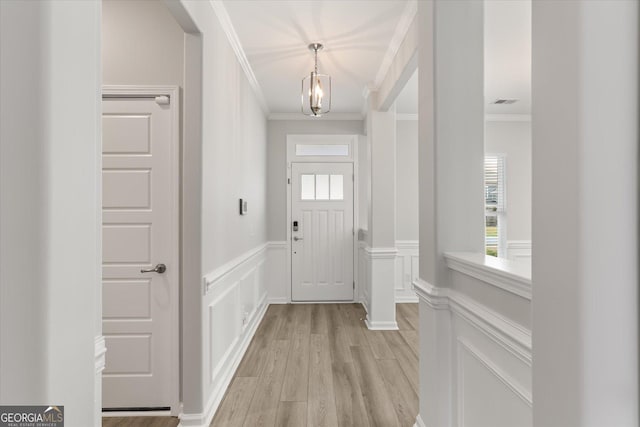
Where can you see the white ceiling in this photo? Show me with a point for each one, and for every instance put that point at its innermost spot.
(507, 55)
(274, 36)
(507, 60)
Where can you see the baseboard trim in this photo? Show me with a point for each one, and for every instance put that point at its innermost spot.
(115, 414)
(381, 326)
(278, 300)
(204, 419)
(406, 299)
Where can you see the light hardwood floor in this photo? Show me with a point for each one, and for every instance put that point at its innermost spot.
(319, 365)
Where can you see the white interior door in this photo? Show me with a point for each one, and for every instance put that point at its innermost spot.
(139, 230)
(322, 232)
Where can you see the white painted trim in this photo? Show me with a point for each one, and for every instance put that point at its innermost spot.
(406, 117)
(507, 117)
(435, 297)
(404, 23)
(381, 253)
(204, 419)
(407, 245)
(406, 299)
(352, 140)
(216, 277)
(234, 41)
(100, 353)
(278, 300)
(176, 180)
(501, 273)
(419, 422)
(277, 244)
(114, 414)
(509, 335)
(502, 376)
(326, 117)
(518, 244)
(381, 326)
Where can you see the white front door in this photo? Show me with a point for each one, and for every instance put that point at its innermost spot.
(322, 231)
(139, 232)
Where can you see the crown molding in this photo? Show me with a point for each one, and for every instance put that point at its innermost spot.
(234, 41)
(399, 35)
(326, 117)
(507, 117)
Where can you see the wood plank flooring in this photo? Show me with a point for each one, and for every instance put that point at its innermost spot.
(337, 372)
(318, 365)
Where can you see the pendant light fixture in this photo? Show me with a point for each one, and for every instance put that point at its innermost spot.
(316, 89)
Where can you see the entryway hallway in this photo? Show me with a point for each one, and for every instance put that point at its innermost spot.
(319, 365)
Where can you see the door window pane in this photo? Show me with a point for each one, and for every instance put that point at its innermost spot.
(337, 184)
(308, 187)
(322, 149)
(322, 187)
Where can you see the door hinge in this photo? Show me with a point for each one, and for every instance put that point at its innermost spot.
(354, 285)
(288, 180)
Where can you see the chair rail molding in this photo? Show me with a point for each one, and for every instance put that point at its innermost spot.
(234, 303)
(502, 273)
(219, 274)
(510, 335)
(407, 270)
(478, 357)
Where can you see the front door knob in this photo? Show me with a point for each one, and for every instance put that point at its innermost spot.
(159, 268)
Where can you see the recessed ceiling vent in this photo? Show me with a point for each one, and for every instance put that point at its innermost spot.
(505, 101)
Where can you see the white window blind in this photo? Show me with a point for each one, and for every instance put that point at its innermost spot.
(495, 204)
(494, 182)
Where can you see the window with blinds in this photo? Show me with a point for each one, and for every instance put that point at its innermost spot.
(495, 206)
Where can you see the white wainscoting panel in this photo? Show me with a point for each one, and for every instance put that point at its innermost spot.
(489, 374)
(364, 284)
(519, 249)
(276, 280)
(407, 270)
(235, 300)
(380, 299)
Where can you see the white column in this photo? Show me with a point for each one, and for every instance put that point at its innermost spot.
(381, 132)
(585, 213)
(451, 153)
(50, 210)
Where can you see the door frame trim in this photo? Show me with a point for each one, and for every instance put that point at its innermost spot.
(352, 140)
(173, 92)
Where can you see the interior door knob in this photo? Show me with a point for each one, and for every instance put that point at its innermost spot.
(296, 238)
(159, 268)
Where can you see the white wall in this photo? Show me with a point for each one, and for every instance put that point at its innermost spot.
(234, 166)
(585, 167)
(407, 180)
(514, 140)
(141, 44)
(277, 162)
(50, 198)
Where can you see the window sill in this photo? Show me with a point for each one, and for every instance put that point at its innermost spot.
(511, 276)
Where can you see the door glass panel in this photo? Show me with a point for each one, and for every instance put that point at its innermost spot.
(322, 187)
(337, 191)
(308, 187)
(322, 149)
